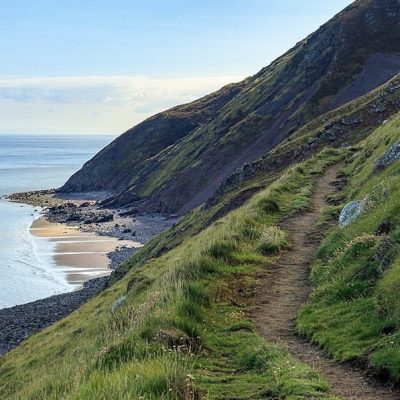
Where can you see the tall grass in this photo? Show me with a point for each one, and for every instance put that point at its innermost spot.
(178, 331)
(354, 311)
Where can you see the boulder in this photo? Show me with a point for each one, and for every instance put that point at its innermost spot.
(127, 213)
(99, 219)
(105, 218)
(74, 218)
(391, 155)
(118, 303)
(351, 212)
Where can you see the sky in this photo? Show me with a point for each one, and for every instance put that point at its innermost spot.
(102, 66)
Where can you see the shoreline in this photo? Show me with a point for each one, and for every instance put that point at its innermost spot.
(21, 321)
(85, 217)
(79, 256)
(85, 212)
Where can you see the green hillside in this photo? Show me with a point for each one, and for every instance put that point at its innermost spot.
(182, 330)
(311, 144)
(178, 329)
(172, 164)
(354, 309)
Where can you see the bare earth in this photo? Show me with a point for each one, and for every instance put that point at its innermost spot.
(285, 286)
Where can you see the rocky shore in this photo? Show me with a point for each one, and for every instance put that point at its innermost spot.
(87, 214)
(19, 322)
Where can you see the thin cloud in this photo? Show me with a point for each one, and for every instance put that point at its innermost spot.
(94, 104)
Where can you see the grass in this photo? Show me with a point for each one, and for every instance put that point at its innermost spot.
(267, 169)
(354, 310)
(180, 331)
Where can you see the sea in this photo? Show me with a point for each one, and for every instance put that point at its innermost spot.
(33, 162)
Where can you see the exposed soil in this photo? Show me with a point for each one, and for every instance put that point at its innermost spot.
(379, 69)
(285, 286)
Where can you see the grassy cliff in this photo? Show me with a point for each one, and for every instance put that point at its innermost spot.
(175, 326)
(174, 322)
(181, 330)
(354, 308)
(173, 162)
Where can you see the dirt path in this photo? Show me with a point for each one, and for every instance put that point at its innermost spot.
(287, 287)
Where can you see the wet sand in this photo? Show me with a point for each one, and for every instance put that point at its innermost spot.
(80, 255)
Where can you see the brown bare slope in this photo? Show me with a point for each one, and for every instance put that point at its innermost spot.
(284, 287)
(355, 52)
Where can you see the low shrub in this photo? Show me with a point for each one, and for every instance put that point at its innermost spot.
(269, 206)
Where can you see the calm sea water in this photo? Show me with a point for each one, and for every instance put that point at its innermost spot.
(31, 162)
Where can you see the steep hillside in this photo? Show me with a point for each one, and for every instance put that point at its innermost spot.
(207, 309)
(355, 306)
(180, 331)
(347, 57)
(112, 168)
(343, 127)
(179, 326)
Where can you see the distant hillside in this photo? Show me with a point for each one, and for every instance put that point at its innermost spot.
(174, 161)
(112, 168)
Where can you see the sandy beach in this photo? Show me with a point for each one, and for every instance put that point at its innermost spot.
(80, 255)
(83, 240)
(88, 240)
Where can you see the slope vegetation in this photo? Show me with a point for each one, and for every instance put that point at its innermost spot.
(207, 310)
(344, 127)
(285, 286)
(354, 307)
(176, 326)
(180, 332)
(172, 165)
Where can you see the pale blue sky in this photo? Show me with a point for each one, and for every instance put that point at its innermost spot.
(86, 66)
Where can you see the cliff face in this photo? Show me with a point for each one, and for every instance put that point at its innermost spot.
(174, 161)
(112, 168)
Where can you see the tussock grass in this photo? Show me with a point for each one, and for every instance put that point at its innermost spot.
(354, 311)
(272, 240)
(181, 332)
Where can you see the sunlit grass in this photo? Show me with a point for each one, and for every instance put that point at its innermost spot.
(180, 331)
(354, 310)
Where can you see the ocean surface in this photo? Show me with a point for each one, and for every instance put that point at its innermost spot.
(32, 162)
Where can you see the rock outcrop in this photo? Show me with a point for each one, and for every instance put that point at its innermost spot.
(351, 212)
(392, 155)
